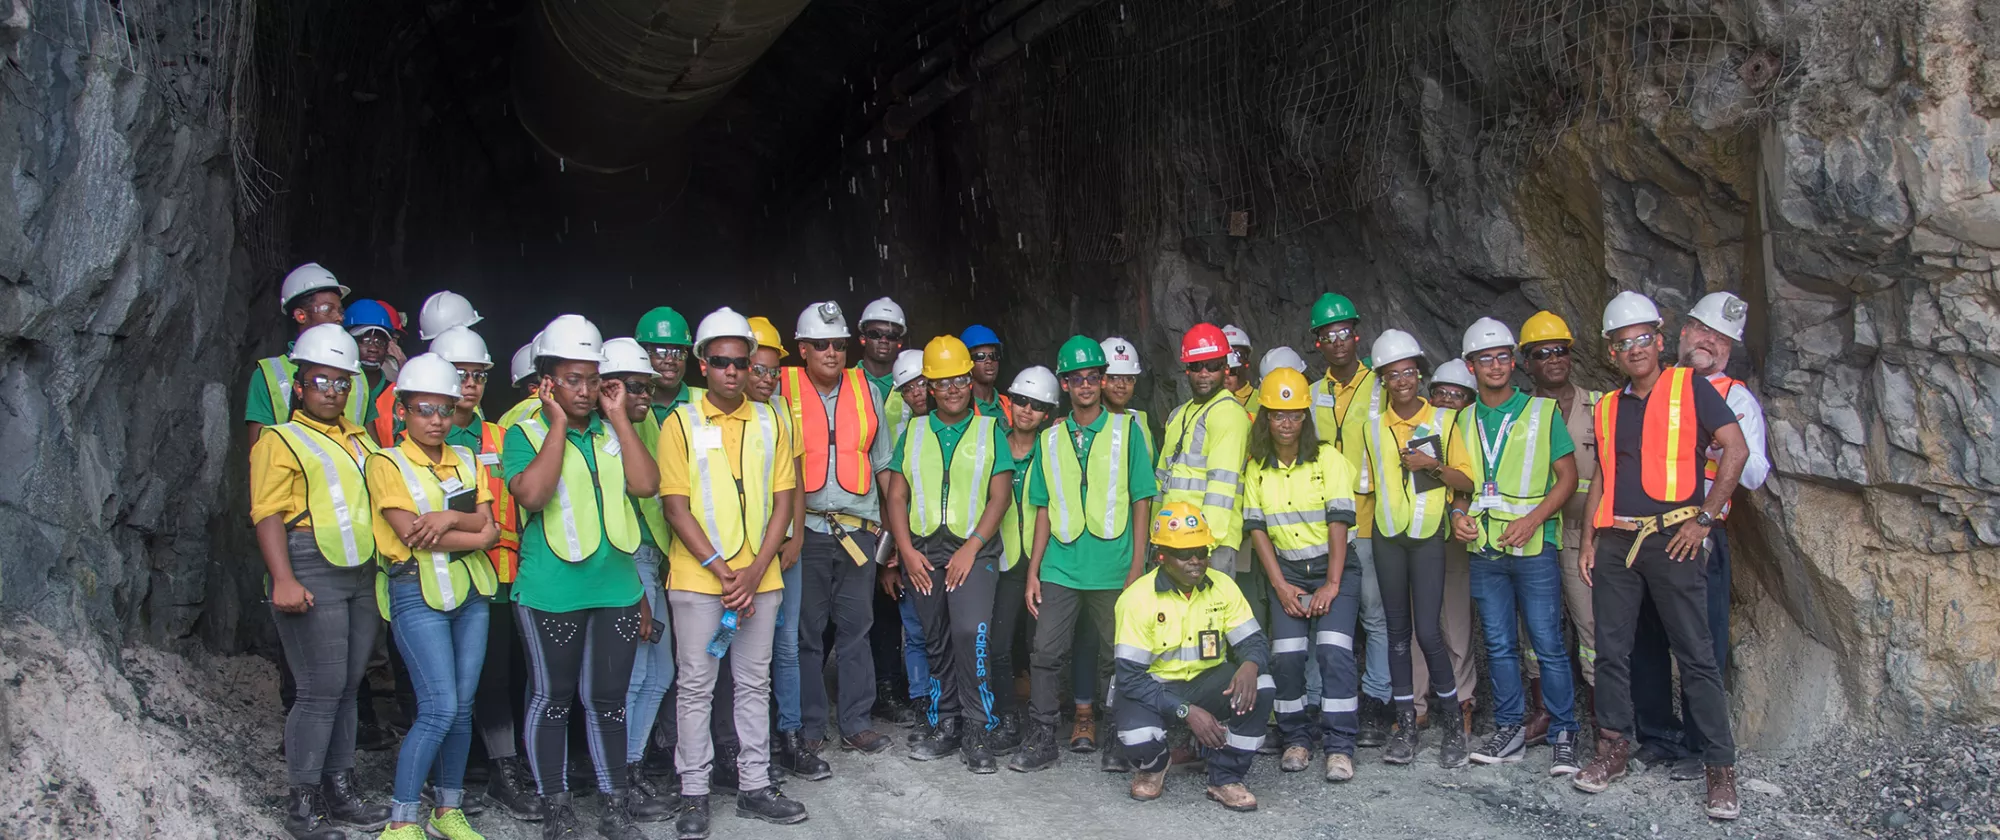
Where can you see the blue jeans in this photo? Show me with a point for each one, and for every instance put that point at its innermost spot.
(785, 652)
(652, 666)
(445, 652)
(1534, 583)
(916, 663)
(1375, 678)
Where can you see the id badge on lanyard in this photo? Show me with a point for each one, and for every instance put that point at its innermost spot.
(1489, 492)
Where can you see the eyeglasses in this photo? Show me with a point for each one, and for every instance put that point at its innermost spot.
(1335, 336)
(578, 382)
(1491, 359)
(477, 377)
(667, 353)
(881, 335)
(1549, 351)
(917, 386)
(1084, 377)
(329, 385)
(1210, 366)
(373, 339)
(821, 345)
(1637, 342)
(1406, 373)
(764, 371)
(1032, 404)
(1120, 379)
(726, 362)
(985, 355)
(329, 309)
(429, 409)
(956, 383)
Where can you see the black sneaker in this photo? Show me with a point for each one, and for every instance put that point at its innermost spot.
(560, 821)
(1563, 745)
(1374, 731)
(345, 805)
(977, 755)
(1403, 740)
(941, 742)
(1038, 750)
(795, 758)
(1505, 747)
(770, 805)
(692, 824)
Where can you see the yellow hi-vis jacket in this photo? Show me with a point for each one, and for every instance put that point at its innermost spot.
(1201, 462)
(1294, 503)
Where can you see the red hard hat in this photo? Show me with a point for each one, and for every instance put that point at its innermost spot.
(1203, 342)
(395, 316)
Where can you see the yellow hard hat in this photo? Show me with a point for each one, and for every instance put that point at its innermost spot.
(1545, 326)
(1284, 389)
(1180, 525)
(946, 357)
(767, 335)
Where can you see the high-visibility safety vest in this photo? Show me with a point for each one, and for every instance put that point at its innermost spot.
(1723, 385)
(336, 492)
(852, 429)
(1006, 414)
(1144, 424)
(1328, 419)
(1294, 502)
(384, 425)
(506, 554)
(732, 513)
(1524, 473)
(895, 414)
(1093, 496)
(1400, 511)
(581, 520)
(1186, 473)
(653, 509)
(446, 578)
(932, 502)
(1668, 460)
(530, 407)
(662, 409)
(1017, 525)
(278, 374)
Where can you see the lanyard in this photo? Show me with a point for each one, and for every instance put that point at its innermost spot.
(1491, 455)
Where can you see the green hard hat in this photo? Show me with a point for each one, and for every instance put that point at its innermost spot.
(662, 325)
(1332, 309)
(1078, 353)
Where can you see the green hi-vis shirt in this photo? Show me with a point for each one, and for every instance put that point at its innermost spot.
(1494, 419)
(608, 578)
(1092, 562)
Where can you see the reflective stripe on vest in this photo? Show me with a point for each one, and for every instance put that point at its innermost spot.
(1524, 474)
(1295, 501)
(1667, 455)
(445, 580)
(506, 554)
(856, 422)
(575, 508)
(336, 493)
(731, 513)
(1104, 505)
(278, 374)
(1145, 426)
(1183, 475)
(931, 502)
(1422, 512)
(530, 407)
(384, 426)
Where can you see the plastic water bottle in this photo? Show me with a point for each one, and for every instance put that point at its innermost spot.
(719, 643)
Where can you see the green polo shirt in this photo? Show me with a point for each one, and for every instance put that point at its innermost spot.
(1492, 418)
(608, 578)
(1091, 562)
(661, 410)
(884, 384)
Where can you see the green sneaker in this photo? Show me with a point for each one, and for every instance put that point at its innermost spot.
(452, 826)
(408, 832)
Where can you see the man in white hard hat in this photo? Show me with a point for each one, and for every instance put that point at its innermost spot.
(1237, 379)
(1708, 335)
(1121, 379)
(882, 331)
(1651, 516)
(309, 297)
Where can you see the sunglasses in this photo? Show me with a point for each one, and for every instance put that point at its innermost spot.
(956, 383)
(1179, 553)
(726, 362)
(1491, 359)
(1637, 342)
(1549, 351)
(667, 353)
(474, 376)
(881, 335)
(1210, 366)
(821, 345)
(431, 410)
(639, 386)
(1084, 377)
(764, 371)
(985, 355)
(329, 385)
(1336, 336)
(1033, 404)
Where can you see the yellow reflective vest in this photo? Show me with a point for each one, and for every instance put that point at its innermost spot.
(1400, 511)
(278, 374)
(1201, 462)
(1524, 474)
(957, 500)
(530, 407)
(1094, 496)
(732, 514)
(577, 520)
(446, 579)
(336, 492)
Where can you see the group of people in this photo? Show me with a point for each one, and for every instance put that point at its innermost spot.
(739, 562)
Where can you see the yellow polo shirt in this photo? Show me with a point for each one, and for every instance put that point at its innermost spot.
(386, 491)
(1344, 394)
(684, 571)
(277, 483)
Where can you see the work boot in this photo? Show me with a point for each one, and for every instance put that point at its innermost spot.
(559, 821)
(1083, 733)
(722, 770)
(1004, 739)
(1535, 725)
(1687, 769)
(647, 804)
(1722, 802)
(1562, 761)
(1233, 796)
(1652, 756)
(918, 731)
(1502, 747)
(1403, 739)
(1451, 744)
(1038, 750)
(659, 760)
(511, 789)
(305, 815)
(692, 824)
(769, 804)
(471, 803)
(344, 803)
(943, 741)
(974, 750)
(1113, 760)
(1147, 785)
(1374, 731)
(1295, 759)
(615, 822)
(1339, 768)
(794, 758)
(866, 742)
(1614, 752)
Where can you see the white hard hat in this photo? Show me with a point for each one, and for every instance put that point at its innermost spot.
(1394, 346)
(1035, 383)
(429, 373)
(1120, 358)
(310, 277)
(1485, 334)
(822, 320)
(1278, 357)
(884, 310)
(461, 346)
(909, 365)
(1456, 372)
(1630, 308)
(442, 311)
(571, 337)
(1722, 311)
(1236, 336)
(725, 323)
(524, 362)
(327, 344)
(624, 355)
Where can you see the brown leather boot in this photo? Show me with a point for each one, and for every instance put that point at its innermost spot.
(1295, 759)
(1722, 803)
(1535, 726)
(1146, 786)
(1613, 752)
(1083, 735)
(1233, 796)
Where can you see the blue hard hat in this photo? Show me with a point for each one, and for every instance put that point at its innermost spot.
(978, 335)
(365, 313)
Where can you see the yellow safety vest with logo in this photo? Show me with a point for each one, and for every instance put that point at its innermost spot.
(1094, 496)
(446, 579)
(1192, 475)
(278, 374)
(1328, 420)
(731, 512)
(1160, 629)
(530, 407)
(931, 499)
(1524, 473)
(581, 520)
(1294, 502)
(1400, 511)
(336, 492)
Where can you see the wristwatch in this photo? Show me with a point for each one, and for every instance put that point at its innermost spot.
(1181, 711)
(1703, 519)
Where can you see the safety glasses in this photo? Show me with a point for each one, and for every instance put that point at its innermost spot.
(1490, 359)
(329, 385)
(431, 410)
(1549, 351)
(764, 371)
(667, 353)
(985, 355)
(1637, 342)
(1403, 375)
(1335, 336)
(329, 310)
(1120, 379)
(956, 383)
(1209, 366)
(821, 345)
(1084, 377)
(579, 382)
(726, 362)
(477, 377)
(372, 339)
(917, 386)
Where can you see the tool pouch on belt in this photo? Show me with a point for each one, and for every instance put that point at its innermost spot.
(1650, 525)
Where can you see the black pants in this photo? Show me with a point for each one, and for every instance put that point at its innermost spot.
(1142, 730)
(885, 643)
(587, 654)
(839, 594)
(1652, 675)
(1008, 608)
(1411, 573)
(1679, 592)
(958, 632)
(1055, 638)
(494, 704)
(1326, 644)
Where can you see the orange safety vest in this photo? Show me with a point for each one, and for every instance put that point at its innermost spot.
(506, 555)
(858, 419)
(1722, 384)
(384, 425)
(1667, 454)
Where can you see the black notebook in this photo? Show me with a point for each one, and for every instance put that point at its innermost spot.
(1432, 446)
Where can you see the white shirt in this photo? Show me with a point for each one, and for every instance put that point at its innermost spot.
(1749, 418)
